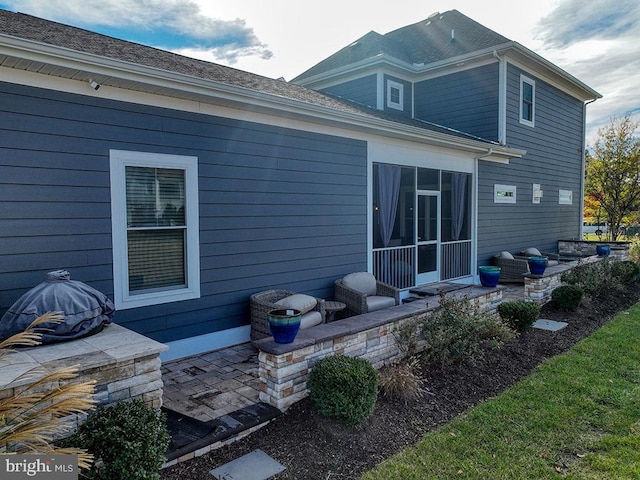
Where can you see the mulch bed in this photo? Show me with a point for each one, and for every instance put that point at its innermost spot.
(314, 447)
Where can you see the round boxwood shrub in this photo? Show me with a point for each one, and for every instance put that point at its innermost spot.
(567, 297)
(128, 441)
(344, 388)
(519, 315)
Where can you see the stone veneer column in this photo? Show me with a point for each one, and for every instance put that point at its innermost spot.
(124, 364)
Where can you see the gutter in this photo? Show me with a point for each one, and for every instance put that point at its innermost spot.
(584, 163)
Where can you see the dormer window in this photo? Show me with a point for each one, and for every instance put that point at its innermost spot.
(395, 95)
(527, 101)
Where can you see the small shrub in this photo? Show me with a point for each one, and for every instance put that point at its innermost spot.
(344, 388)
(567, 297)
(406, 337)
(519, 315)
(458, 331)
(402, 381)
(128, 441)
(626, 271)
(595, 279)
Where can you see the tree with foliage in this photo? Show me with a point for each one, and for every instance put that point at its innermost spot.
(613, 171)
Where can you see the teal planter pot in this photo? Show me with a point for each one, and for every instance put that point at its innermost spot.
(489, 276)
(284, 324)
(537, 265)
(603, 250)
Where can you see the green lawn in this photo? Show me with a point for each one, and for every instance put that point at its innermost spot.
(576, 417)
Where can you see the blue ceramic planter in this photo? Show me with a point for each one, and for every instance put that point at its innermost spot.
(603, 250)
(537, 265)
(284, 324)
(489, 276)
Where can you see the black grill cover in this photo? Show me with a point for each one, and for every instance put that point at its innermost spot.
(85, 309)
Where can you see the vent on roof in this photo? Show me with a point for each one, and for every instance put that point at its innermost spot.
(434, 14)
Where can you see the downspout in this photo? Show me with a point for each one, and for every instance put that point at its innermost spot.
(584, 164)
(502, 99)
(474, 249)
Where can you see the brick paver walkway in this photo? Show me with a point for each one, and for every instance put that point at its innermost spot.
(213, 384)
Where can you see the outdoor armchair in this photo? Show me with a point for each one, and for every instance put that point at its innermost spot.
(552, 258)
(260, 304)
(362, 293)
(512, 269)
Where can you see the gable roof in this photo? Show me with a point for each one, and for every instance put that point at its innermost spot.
(436, 43)
(436, 38)
(51, 48)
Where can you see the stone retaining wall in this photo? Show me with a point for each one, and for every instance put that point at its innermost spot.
(284, 368)
(124, 364)
(539, 288)
(587, 248)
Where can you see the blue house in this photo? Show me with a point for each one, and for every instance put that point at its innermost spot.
(452, 71)
(180, 187)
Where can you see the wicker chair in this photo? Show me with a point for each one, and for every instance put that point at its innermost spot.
(512, 270)
(262, 303)
(552, 258)
(358, 302)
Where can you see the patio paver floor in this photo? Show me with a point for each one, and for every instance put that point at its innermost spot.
(211, 385)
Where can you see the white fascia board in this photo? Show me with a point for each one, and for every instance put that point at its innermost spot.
(94, 65)
(528, 60)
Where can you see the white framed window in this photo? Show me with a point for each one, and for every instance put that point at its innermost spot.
(527, 101)
(565, 197)
(504, 193)
(395, 95)
(155, 228)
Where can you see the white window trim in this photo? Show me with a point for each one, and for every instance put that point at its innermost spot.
(400, 105)
(510, 190)
(532, 122)
(565, 197)
(118, 160)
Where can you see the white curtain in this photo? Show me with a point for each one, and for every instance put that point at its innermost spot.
(458, 203)
(388, 194)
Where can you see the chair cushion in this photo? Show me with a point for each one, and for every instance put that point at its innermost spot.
(298, 301)
(531, 252)
(375, 302)
(551, 263)
(363, 282)
(506, 255)
(310, 319)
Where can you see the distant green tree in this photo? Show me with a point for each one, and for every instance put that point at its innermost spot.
(613, 171)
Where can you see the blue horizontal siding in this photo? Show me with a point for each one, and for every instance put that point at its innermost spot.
(554, 160)
(465, 101)
(279, 208)
(361, 90)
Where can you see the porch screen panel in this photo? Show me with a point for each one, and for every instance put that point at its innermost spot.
(156, 228)
(399, 229)
(456, 207)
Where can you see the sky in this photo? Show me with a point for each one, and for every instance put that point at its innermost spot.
(597, 41)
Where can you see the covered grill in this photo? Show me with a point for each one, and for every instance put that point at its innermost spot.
(86, 310)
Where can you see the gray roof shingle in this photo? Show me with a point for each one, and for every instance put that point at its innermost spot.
(427, 41)
(81, 40)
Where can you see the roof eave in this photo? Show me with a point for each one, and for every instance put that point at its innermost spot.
(102, 68)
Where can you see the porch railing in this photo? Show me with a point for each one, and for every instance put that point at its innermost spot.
(396, 265)
(455, 259)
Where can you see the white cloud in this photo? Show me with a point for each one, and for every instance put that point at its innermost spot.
(170, 24)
